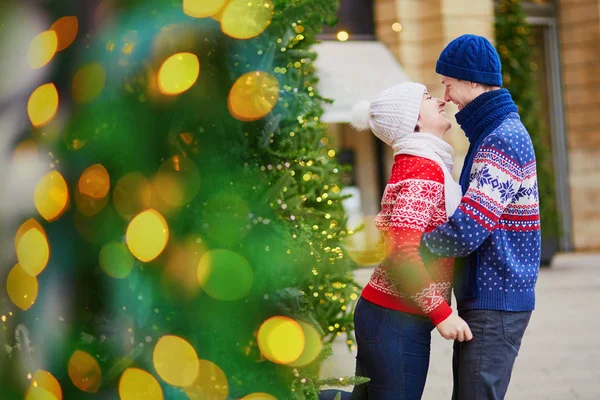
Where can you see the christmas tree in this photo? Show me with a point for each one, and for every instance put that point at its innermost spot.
(188, 234)
(514, 44)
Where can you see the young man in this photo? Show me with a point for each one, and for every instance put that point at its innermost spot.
(496, 227)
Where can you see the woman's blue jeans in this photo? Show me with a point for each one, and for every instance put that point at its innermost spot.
(393, 351)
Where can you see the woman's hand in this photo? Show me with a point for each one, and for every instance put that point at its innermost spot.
(454, 328)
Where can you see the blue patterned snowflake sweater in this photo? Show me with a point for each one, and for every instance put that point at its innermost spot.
(497, 225)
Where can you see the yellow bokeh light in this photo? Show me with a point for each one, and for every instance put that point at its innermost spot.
(178, 73)
(253, 96)
(202, 8)
(21, 287)
(33, 251)
(38, 393)
(89, 206)
(182, 264)
(147, 235)
(131, 195)
(177, 181)
(175, 361)
(136, 384)
(225, 275)
(312, 348)
(84, 372)
(42, 104)
(31, 223)
(281, 340)
(51, 196)
(342, 36)
(45, 380)
(151, 226)
(116, 260)
(88, 83)
(66, 30)
(397, 27)
(41, 49)
(243, 19)
(94, 182)
(259, 396)
(211, 383)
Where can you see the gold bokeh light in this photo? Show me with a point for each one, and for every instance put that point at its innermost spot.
(33, 251)
(211, 383)
(243, 19)
(175, 361)
(42, 49)
(88, 83)
(177, 181)
(312, 348)
(45, 380)
(147, 235)
(51, 196)
(281, 340)
(131, 195)
(21, 287)
(85, 372)
(66, 31)
(202, 8)
(253, 96)
(42, 105)
(178, 73)
(259, 396)
(136, 384)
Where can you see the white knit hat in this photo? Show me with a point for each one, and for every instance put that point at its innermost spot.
(393, 114)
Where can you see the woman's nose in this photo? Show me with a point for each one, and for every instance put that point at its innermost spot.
(441, 102)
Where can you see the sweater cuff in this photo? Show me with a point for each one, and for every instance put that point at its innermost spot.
(440, 313)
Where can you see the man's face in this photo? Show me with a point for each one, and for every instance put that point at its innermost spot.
(458, 91)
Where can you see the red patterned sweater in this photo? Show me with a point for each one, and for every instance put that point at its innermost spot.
(413, 203)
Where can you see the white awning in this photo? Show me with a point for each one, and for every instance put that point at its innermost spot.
(353, 71)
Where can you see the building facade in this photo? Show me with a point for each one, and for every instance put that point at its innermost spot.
(566, 36)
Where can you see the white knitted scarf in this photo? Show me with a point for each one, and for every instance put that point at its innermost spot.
(433, 148)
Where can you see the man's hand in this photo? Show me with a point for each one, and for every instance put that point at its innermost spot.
(454, 328)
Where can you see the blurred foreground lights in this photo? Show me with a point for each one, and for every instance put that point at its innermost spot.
(138, 384)
(397, 27)
(88, 83)
(131, 195)
(66, 31)
(116, 260)
(202, 8)
(211, 383)
(85, 372)
(51, 196)
(21, 287)
(177, 181)
(281, 340)
(147, 235)
(41, 49)
(342, 36)
(243, 19)
(42, 105)
(45, 381)
(253, 96)
(178, 73)
(31, 223)
(91, 195)
(259, 396)
(37, 393)
(225, 275)
(312, 347)
(33, 251)
(175, 361)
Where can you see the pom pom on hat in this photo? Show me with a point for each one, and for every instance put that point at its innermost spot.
(361, 115)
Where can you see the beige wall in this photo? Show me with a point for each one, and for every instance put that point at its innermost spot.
(428, 25)
(579, 30)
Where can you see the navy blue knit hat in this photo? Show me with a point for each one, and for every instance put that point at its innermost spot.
(471, 58)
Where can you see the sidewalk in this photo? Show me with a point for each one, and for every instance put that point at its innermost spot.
(560, 354)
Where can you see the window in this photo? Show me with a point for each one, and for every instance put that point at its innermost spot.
(355, 17)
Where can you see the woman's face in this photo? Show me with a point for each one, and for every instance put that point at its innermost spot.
(432, 117)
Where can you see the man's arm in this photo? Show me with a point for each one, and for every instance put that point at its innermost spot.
(495, 178)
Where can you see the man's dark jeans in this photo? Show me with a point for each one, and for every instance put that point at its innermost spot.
(482, 367)
(393, 351)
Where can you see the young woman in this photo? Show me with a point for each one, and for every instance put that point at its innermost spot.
(408, 296)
